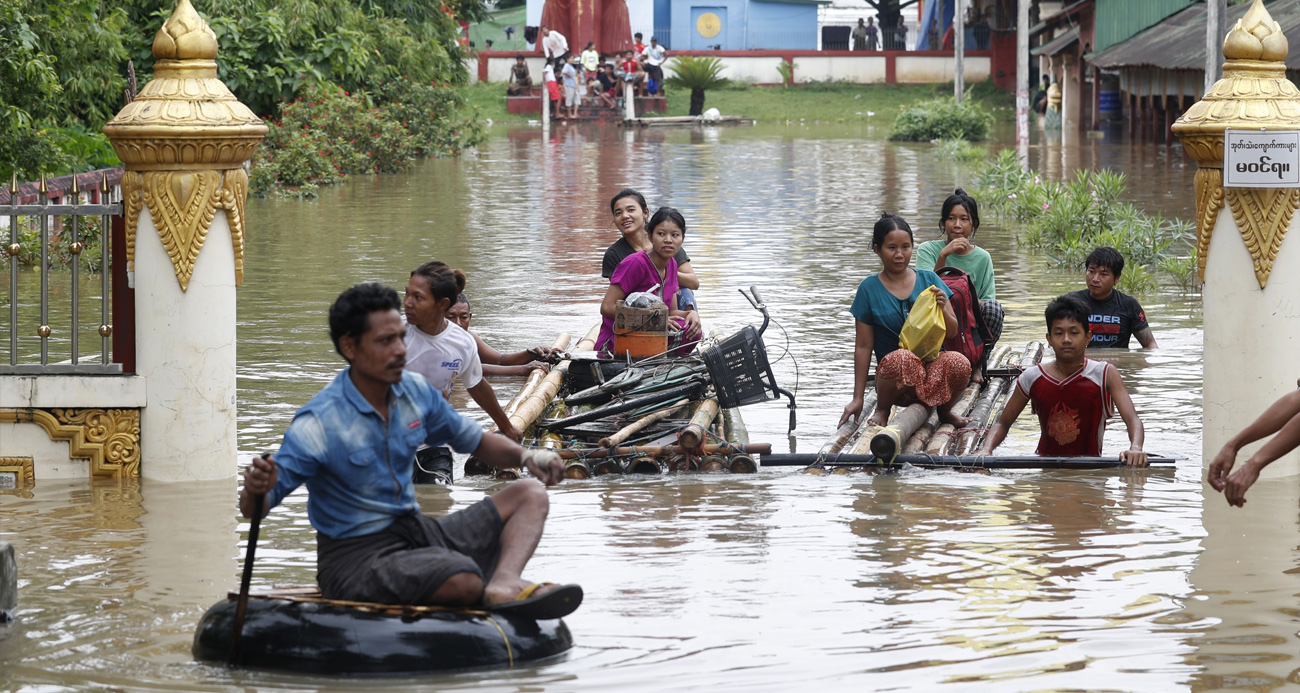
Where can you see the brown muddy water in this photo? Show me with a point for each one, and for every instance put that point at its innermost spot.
(776, 581)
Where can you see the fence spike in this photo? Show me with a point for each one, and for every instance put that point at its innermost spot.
(45, 189)
(76, 187)
(13, 187)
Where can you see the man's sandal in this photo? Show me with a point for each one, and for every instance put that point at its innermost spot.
(557, 603)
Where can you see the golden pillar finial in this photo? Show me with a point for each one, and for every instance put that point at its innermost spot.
(1256, 37)
(1254, 94)
(184, 140)
(185, 36)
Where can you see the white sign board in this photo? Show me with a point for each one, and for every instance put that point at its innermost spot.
(1261, 159)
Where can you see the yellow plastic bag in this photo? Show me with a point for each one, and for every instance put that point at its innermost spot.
(924, 331)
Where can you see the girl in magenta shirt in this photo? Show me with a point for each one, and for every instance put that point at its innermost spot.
(643, 270)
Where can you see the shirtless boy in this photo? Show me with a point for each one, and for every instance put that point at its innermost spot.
(1073, 396)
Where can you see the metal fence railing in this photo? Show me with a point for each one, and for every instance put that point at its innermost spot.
(69, 232)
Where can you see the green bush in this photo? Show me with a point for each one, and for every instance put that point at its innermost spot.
(60, 245)
(328, 133)
(942, 119)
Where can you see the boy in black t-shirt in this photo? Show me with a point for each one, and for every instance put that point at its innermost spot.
(1113, 316)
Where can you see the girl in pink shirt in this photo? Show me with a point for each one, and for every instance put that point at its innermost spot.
(642, 271)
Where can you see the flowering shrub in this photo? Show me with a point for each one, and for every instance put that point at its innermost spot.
(327, 134)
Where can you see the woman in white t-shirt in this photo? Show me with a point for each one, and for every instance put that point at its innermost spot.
(441, 350)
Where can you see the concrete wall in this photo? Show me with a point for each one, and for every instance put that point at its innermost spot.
(50, 458)
(937, 69)
(760, 67)
(864, 70)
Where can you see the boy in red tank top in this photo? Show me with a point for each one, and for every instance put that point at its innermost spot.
(1072, 396)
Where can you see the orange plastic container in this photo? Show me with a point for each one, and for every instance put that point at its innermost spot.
(640, 332)
(640, 345)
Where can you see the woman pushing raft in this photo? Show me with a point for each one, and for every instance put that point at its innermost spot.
(654, 270)
(440, 350)
(959, 219)
(630, 213)
(881, 307)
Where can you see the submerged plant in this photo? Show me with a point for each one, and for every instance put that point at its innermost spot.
(1068, 220)
(942, 119)
(958, 150)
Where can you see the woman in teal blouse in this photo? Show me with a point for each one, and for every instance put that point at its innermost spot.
(880, 308)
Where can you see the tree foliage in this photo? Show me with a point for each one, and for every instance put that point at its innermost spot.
(62, 62)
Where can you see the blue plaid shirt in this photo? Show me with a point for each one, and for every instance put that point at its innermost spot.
(357, 466)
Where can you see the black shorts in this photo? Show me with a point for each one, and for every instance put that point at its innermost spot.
(408, 561)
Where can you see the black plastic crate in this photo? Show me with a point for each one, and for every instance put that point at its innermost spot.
(738, 365)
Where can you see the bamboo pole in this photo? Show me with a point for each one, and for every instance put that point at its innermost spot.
(536, 375)
(627, 431)
(983, 409)
(532, 405)
(942, 438)
(644, 465)
(843, 462)
(713, 463)
(743, 464)
(737, 433)
(887, 442)
(694, 433)
(918, 440)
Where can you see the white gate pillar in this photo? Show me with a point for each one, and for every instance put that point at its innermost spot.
(185, 140)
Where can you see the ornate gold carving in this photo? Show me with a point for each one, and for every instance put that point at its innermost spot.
(1256, 37)
(183, 205)
(185, 118)
(1263, 215)
(109, 438)
(234, 193)
(184, 140)
(185, 36)
(23, 472)
(1209, 200)
(1253, 94)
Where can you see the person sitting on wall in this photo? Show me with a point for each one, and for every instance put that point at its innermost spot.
(1114, 316)
(353, 446)
(629, 70)
(638, 45)
(494, 362)
(606, 85)
(1073, 395)
(1040, 99)
(521, 82)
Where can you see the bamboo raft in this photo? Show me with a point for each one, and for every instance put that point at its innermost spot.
(915, 436)
(671, 421)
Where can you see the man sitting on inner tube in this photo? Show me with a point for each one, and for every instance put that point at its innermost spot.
(353, 446)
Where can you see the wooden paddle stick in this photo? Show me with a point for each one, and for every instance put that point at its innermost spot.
(242, 607)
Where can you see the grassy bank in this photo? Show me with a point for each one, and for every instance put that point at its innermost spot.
(826, 102)
(494, 28)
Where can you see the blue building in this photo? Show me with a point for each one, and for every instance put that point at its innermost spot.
(737, 24)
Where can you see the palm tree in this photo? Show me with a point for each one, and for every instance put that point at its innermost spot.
(696, 73)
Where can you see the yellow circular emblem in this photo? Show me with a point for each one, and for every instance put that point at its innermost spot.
(708, 25)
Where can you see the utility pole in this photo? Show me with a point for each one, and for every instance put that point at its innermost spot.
(1215, 30)
(959, 48)
(1022, 81)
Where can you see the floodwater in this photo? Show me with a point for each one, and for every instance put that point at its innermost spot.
(919, 581)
